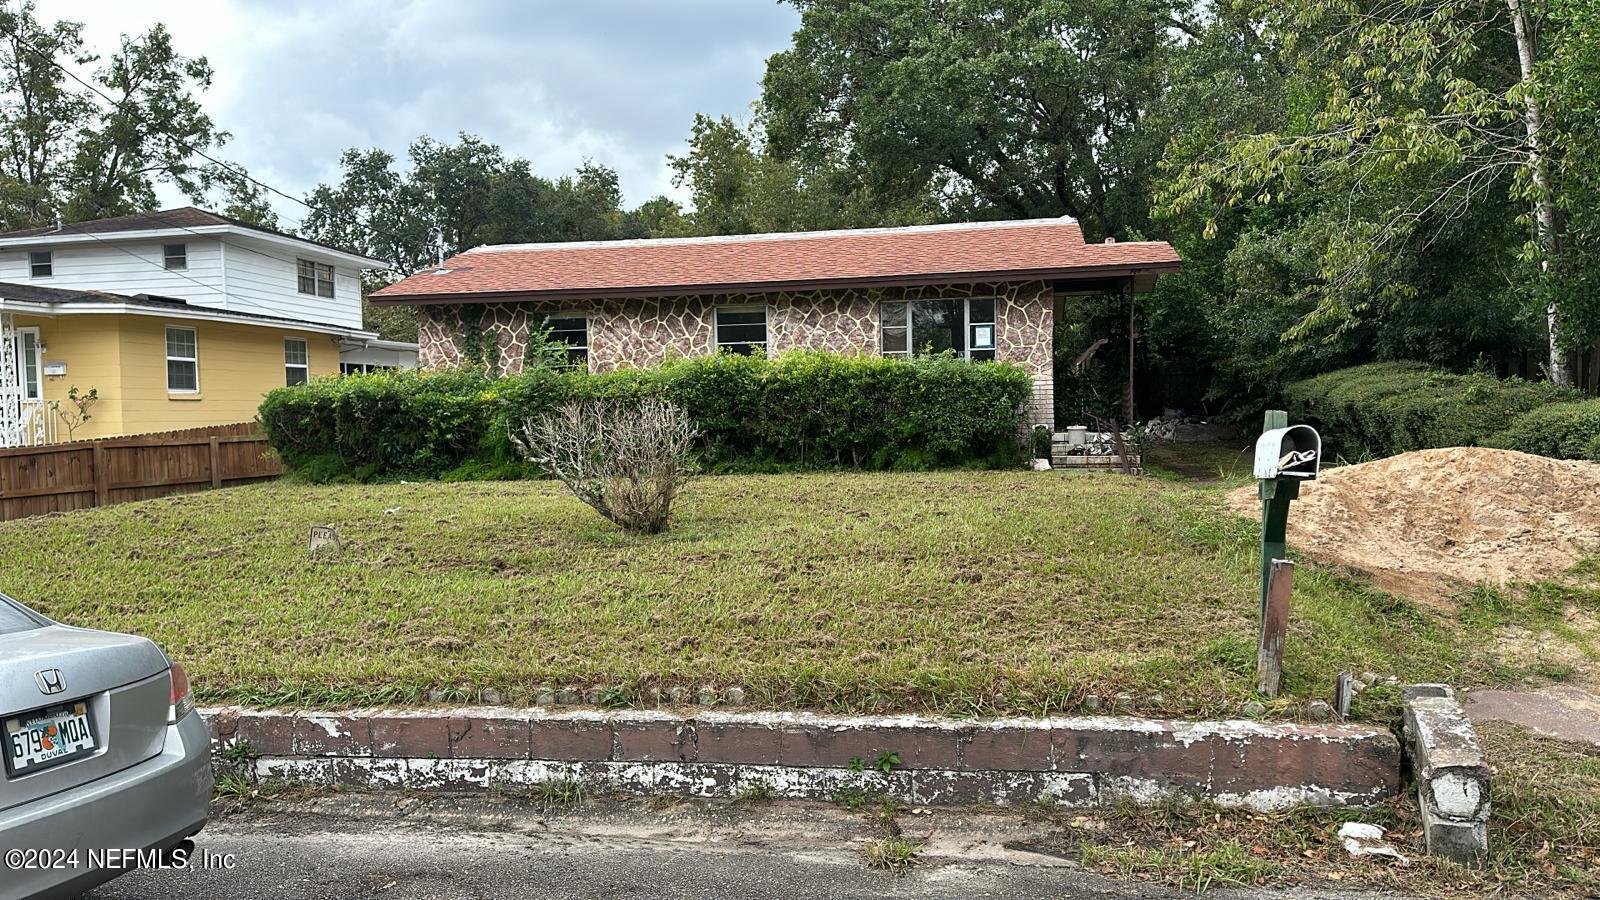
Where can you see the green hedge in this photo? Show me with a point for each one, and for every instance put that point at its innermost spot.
(803, 408)
(1562, 430)
(1382, 409)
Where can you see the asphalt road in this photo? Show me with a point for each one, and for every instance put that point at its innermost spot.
(356, 847)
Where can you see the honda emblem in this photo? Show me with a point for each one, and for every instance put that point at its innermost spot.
(50, 681)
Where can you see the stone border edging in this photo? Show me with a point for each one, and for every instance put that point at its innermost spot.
(1076, 761)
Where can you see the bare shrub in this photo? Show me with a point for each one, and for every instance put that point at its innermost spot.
(627, 459)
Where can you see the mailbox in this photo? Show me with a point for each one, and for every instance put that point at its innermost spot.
(1292, 452)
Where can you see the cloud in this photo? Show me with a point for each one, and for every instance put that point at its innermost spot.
(617, 81)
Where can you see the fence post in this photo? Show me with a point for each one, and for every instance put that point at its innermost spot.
(102, 477)
(216, 463)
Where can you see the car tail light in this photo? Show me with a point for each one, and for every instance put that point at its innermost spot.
(182, 696)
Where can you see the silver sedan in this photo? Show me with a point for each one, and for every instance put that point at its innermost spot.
(107, 764)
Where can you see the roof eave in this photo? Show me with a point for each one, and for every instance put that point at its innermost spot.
(768, 287)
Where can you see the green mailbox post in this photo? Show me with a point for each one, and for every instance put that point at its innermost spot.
(1285, 456)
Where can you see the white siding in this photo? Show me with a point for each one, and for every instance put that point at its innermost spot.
(263, 278)
(126, 268)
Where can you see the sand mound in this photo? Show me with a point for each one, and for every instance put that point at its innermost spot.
(1421, 521)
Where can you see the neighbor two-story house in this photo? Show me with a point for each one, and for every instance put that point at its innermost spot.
(176, 319)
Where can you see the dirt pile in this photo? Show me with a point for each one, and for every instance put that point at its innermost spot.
(1420, 523)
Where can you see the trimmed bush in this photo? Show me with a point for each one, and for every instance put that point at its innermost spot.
(1561, 430)
(1386, 408)
(802, 409)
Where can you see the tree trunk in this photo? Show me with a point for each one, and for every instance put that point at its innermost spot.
(1547, 222)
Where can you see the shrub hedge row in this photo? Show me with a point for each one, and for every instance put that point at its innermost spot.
(804, 408)
(1562, 430)
(1381, 409)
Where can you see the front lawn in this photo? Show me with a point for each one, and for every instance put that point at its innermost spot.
(957, 591)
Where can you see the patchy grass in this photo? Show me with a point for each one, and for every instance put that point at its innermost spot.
(1544, 824)
(1228, 462)
(758, 791)
(557, 793)
(1544, 834)
(964, 592)
(894, 855)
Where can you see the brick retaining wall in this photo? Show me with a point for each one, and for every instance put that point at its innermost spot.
(713, 754)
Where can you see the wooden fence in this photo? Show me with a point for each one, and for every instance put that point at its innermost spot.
(82, 474)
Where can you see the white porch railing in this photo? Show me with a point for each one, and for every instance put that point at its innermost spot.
(24, 422)
(38, 424)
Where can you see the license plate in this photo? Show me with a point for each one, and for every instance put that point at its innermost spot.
(48, 736)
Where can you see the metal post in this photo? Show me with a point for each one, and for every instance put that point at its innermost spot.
(1275, 496)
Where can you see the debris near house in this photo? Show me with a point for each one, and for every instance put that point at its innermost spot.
(1175, 427)
(1365, 839)
(1082, 449)
(1421, 522)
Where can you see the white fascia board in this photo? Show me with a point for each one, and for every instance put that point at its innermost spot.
(304, 248)
(193, 313)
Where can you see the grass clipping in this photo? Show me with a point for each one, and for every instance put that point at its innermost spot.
(1422, 522)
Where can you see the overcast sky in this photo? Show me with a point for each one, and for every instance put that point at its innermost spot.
(556, 81)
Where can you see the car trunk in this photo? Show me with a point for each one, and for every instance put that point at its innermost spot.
(122, 681)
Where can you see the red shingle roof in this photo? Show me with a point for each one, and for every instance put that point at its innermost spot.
(990, 251)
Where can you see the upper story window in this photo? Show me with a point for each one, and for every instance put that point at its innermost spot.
(296, 361)
(183, 361)
(41, 264)
(963, 326)
(741, 329)
(175, 256)
(572, 330)
(316, 278)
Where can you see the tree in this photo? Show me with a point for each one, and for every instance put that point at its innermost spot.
(1410, 117)
(68, 152)
(738, 187)
(452, 197)
(39, 115)
(1010, 108)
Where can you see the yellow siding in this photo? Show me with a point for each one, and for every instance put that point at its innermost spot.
(124, 358)
(238, 364)
(92, 350)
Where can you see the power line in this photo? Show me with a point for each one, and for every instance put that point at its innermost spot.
(179, 143)
(178, 272)
(236, 171)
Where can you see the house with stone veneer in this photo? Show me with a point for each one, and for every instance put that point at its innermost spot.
(983, 291)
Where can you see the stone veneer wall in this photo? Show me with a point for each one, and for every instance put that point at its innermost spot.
(647, 331)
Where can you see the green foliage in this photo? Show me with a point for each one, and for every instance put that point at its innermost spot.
(1561, 430)
(805, 409)
(738, 187)
(1008, 110)
(68, 154)
(1382, 409)
(382, 425)
(450, 197)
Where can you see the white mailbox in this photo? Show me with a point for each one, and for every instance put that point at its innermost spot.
(1293, 452)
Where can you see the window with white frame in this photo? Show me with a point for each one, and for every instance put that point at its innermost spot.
(571, 329)
(175, 256)
(41, 264)
(742, 329)
(183, 361)
(296, 361)
(315, 278)
(964, 326)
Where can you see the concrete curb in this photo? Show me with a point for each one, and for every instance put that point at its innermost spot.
(1080, 760)
(1451, 772)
